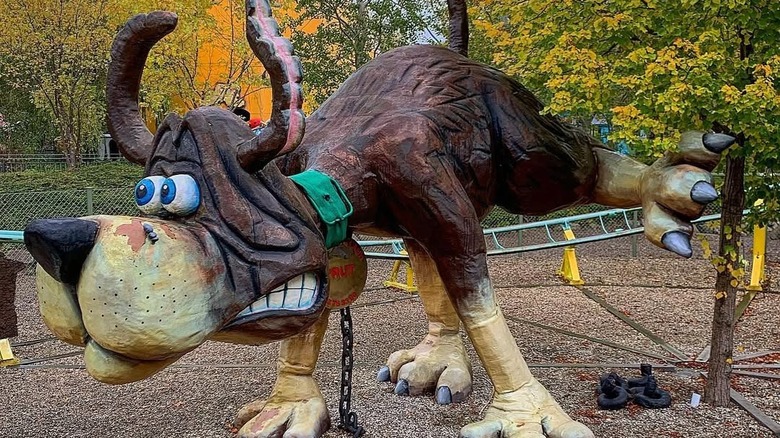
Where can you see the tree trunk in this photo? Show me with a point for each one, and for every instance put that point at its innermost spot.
(73, 159)
(69, 147)
(717, 391)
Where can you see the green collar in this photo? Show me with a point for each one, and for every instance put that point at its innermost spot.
(328, 198)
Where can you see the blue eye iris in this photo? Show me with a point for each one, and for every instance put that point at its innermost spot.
(168, 191)
(147, 194)
(180, 195)
(144, 191)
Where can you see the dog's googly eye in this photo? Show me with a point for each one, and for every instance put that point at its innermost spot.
(147, 194)
(180, 195)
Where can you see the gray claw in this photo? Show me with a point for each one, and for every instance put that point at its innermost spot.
(703, 192)
(443, 396)
(383, 375)
(678, 243)
(715, 142)
(402, 387)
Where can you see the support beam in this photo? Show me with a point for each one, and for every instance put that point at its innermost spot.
(570, 271)
(7, 357)
(393, 282)
(757, 274)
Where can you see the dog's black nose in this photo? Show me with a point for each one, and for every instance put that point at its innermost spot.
(60, 246)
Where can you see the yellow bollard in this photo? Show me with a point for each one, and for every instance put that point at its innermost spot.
(7, 358)
(569, 269)
(757, 273)
(393, 280)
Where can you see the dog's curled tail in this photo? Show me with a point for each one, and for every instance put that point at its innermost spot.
(459, 26)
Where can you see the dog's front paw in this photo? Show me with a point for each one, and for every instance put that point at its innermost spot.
(677, 187)
(529, 412)
(438, 362)
(296, 409)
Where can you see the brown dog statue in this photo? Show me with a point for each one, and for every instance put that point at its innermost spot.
(422, 142)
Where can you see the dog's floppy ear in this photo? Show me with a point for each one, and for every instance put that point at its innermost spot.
(285, 128)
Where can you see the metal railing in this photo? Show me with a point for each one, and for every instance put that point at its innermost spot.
(11, 236)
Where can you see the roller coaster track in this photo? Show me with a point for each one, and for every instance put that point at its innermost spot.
(391, 249)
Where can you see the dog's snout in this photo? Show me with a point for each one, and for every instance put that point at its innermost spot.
(60, 246)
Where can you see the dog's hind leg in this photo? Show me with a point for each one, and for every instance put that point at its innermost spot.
(521, 406)
(296, 406)
(445, 223)
(439, 361)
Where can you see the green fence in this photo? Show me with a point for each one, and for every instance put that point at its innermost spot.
(17, 209)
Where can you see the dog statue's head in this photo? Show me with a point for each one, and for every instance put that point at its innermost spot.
(224, 246)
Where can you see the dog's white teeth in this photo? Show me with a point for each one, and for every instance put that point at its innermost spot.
(293, 299)
(296, 283)
(307, 296)
(296, 294)
(308, 286)
(309, 281)
(276, 300)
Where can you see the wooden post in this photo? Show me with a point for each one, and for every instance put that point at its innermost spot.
(8, 329)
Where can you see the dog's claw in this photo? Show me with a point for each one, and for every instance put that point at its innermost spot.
(443, 396)
(402, 387)
(383, 375)
(703, 192)
(678, 242)
(716, 142)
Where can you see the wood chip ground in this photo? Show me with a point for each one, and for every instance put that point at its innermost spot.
(200, 394)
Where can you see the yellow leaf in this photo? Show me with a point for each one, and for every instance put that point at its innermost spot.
(734, 283)
(720, 295)
(729, 360)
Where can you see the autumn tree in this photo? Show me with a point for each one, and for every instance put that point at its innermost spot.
(55, 52)
(653, 69)
(334, 38)
(24, 128)
(205, 61)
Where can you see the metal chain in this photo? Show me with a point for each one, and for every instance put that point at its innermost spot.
(347, 420)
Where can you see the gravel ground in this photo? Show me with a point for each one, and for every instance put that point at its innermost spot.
(197, 398)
